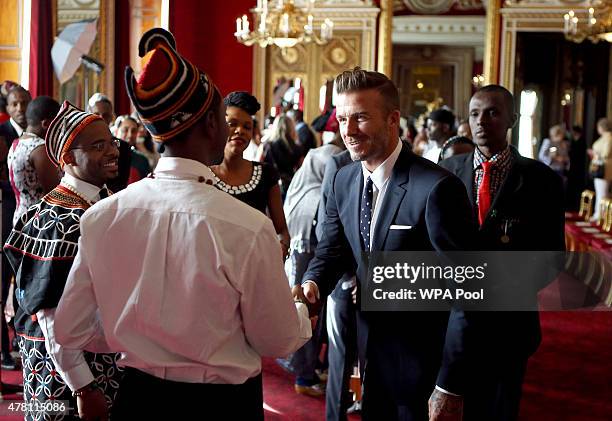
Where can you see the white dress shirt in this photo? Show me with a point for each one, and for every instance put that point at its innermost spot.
(70, 363)
(433, 152)
(17, 127)
(380, 180)
(186, 281)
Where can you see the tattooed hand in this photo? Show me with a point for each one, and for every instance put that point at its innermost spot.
(445, 407)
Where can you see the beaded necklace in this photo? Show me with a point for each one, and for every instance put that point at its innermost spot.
(243, 188)
(180, 177)
(76, 192)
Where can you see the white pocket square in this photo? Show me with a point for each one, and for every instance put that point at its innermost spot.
(400, 227)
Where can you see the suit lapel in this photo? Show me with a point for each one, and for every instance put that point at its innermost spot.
(466, 173)
(393, 198)
(353, 234)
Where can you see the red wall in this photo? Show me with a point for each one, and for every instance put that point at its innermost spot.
(122, 56)
(204, 32)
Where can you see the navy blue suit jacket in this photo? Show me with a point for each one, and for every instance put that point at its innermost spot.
(405, 351)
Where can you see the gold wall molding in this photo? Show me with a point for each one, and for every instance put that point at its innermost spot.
(459, 31)
(492, 38)
(385, 29)
(516, 19)
(353, 44)
(11, 40)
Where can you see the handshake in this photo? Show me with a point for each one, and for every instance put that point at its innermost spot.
(308, 293)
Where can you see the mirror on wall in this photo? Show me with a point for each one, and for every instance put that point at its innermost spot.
(77, 19)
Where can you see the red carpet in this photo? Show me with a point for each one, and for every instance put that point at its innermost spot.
(6, 414)
(282, 403)
(569, 378)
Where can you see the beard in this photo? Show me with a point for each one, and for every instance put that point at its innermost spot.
(367, 148)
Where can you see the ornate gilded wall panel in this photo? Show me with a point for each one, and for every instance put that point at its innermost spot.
(425, 59)
(340, 54)
(354, 44)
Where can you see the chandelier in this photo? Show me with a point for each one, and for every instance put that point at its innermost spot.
(597, 26)
(282, 24)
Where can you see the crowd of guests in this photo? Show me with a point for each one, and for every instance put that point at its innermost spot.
(171, 275)
(565, 151)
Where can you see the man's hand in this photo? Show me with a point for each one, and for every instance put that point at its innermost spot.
(92, 406)
(309, 293)
(445, 407)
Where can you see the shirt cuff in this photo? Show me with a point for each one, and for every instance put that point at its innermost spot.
(305, 326)
(445, 391)
(78, 377)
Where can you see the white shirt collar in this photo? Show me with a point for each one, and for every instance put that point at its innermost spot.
(183, 166)
(16, 126)
(382, 173)
(89, 191)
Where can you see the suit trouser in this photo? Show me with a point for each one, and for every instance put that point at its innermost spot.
(145, 397)
(341, 330)
(495, 394)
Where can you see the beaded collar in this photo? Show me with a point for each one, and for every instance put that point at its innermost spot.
(244, 188)
(77, 193)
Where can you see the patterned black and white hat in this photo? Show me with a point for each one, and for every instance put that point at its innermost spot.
(65, 127)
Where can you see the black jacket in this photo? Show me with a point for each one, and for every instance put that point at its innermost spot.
(532, 198)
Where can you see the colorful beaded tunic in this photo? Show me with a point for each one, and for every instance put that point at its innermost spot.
(41, 249)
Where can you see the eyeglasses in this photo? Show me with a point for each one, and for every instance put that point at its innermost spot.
(101, 146)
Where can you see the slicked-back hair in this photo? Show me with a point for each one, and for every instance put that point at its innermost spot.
(506, 94)
(41, 108)
(361, 80)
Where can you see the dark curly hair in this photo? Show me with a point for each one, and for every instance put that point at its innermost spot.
(242, 100)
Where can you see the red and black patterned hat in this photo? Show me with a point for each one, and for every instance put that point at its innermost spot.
(171, 94)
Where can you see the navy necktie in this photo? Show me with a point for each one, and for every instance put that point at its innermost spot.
(365, 216)
(103, 193)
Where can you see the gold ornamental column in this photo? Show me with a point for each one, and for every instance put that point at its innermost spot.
(385, 47)
(492, 45)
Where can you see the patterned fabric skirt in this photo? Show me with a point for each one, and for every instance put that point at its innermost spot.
(43, 385)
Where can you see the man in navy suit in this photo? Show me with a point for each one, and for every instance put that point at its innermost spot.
(392, 200)
(518, 203)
